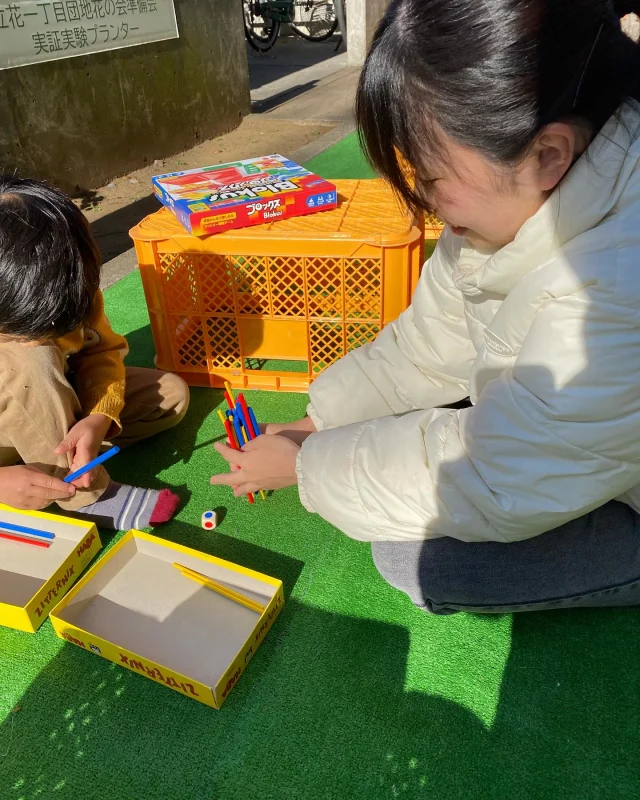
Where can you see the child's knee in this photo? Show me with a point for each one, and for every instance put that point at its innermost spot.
(175, 396)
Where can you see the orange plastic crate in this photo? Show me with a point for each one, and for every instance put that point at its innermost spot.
(432, 226)
(303, 291)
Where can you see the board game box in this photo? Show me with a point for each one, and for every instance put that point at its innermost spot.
(137, 608)
(250, 192)
(33, 579)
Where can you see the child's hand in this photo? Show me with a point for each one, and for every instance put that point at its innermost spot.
(297, 431)
(268, 462)
(83, 442)
(30, 490)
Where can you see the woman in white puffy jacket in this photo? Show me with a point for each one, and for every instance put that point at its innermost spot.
(488, 442)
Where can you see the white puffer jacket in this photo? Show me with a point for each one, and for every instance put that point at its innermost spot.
(543, 335)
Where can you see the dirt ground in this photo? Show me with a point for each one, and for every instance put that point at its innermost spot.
(256, 136)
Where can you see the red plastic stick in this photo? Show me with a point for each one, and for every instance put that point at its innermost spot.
(13, 538)
(245, 411)
(234, 446)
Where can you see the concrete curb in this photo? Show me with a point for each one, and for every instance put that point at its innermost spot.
(314, 149)
(118, 268)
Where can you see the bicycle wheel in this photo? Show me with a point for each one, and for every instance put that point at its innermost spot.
(314, 20)
(259, 29)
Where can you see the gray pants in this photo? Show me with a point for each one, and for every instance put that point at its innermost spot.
(592, 562)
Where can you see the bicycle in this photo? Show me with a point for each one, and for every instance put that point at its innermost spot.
(314, 20)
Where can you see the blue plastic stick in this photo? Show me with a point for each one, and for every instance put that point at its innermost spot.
(88, 467)
(254, 422)
(243, 421)
(238, 429)
(8, 526)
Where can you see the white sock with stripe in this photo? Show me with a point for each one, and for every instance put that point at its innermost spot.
(123, 507)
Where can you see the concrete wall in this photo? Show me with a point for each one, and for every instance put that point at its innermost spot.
(362, 19)
(82, 121)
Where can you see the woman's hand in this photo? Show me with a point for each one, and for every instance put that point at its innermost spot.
(30, 490)
(297, 431)
(268, 462)
(83, 442)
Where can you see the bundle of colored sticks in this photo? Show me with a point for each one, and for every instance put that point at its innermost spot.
(20, 533)
(240, 425)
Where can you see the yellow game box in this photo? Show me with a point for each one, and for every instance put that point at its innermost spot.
(136, 608)
(34, 579)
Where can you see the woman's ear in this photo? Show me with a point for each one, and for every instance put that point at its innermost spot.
(555, 150)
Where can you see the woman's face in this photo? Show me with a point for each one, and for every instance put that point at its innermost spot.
(487, 203)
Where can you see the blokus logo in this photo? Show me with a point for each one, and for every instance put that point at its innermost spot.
(231, 193)
(236, 186)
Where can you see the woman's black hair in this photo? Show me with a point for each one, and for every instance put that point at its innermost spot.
(49, 261)
(489, 74)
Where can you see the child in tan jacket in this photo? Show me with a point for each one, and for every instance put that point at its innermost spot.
(64, 388)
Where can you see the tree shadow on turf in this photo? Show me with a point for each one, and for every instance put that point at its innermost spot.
(321, 713)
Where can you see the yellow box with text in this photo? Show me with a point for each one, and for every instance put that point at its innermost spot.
(34, 579)
(136, 609)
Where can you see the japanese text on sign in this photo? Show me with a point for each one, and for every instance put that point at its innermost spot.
(32, 31)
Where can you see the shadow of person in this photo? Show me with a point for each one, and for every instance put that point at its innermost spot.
(322, 713)
(566, 723)
(141, 463)
(295, 726)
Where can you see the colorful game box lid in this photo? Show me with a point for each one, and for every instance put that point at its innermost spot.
(243, 193)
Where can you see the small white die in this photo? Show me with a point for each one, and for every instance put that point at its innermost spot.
(209, 520)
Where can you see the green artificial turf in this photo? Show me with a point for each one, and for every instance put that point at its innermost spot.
(353, 694)
(343, 160)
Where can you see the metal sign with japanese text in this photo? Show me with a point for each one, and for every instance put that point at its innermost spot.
(32, 31)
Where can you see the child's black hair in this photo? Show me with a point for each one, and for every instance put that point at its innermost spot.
(49, 261)
(490, 74)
